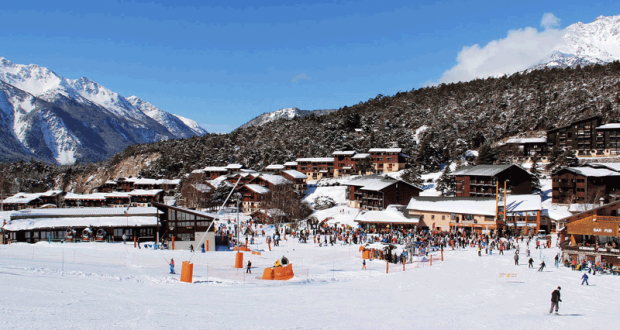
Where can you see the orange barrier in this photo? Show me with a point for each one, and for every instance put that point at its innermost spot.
(239, 260)
(207, 245)
(256, 253)
(366, 254)
(187, 272)
(279, 273)
(361, 248)
(242, 248)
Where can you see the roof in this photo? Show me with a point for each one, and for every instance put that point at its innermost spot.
(484, 170)
(204, 188)
(52, 193)
(589, 171)
(609, 166)
(295, 174)
(527, 140)
(361, 156)
(573, 123)
(94, 196)
(275, 167)
(21, 198)
(474, 205)
(274, 179)
(343, 153)
(214, 169)
(398, 150)
(590, 210)
(316, 160)
(117, 195)
(140, 192)
(234, 166)
(151, 181)
(610, 126)
(290, 164)
(219, 181)
(375, 182)
(82, 217)
(257, 188)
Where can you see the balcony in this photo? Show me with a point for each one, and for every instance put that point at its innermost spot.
(591, 249)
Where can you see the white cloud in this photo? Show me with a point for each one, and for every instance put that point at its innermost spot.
(520, 50)
(549, 21)
(300, 77)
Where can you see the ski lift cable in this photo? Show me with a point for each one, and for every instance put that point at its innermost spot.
(216, 216)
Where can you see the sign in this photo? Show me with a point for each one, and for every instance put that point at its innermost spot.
(603, 230)
(507, 275)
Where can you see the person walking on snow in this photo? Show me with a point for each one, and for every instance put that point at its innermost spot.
(364, 264)
(516, 259)
(555, 300)
(249, 268)
(124, 239)
(172, 266)
(585, 279)
(530, 263)
(557, 260)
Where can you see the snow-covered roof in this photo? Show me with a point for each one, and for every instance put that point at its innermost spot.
(591, 172)
(275, 167)
(295, 174)
(361, 156)
(474, 205)
(290, 164)
(146, 181)
(581, 207)
(257, 188)
(50, 193)
(610, 126)
(389, 215)
(234, 166)
(93, 196)
(609, 166)
(204, 188)
(526, 140)
(112, 182)
(82, 217)
(140, 192)
(274, 179)
(386, 150)
(483, 170)
(213, 169)
(22, 198)
(344, 153)
(316, 160)
(556, 212)
(117, 194)
(374, 182)
(219, 181)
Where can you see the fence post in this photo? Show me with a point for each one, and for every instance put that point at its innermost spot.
(387, 266)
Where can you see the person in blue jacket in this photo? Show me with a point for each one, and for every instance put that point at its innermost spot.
(171, 266)
(585, 279)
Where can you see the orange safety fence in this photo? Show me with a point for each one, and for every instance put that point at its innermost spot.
(187, 271)
(279, 273)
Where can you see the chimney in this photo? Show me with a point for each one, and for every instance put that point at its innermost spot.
(602, 201)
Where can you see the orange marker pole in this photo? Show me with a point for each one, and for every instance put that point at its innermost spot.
(403, 265)
(134, 242)
(431, 259)
(173, 242)
(387, 266)
(269, 243)
(441, 254)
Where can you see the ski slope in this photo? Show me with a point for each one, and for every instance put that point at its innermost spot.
(104, 286)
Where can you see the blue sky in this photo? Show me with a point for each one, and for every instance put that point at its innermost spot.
(222, 64)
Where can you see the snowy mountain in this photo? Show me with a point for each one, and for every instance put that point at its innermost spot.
(181, 127)
(49, 117)
(286, 113)
(582, 44)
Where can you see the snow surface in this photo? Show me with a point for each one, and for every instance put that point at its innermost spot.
(115, 286)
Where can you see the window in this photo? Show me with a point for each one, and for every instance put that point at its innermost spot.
(433, 216)
(118, 232)
(443, 217)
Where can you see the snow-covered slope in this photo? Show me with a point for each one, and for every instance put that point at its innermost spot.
(50, 117)
(181, 127)
(285, 113)
(582, 44)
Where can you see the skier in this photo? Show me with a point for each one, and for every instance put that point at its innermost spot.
(542, 266)
(530, 263)
(557, 260)
(527, 250)
(364, 264)
(191, 248)
(585, 279)
(124, 239)
(479, 254)
(516, 259)
(555, 300)
(501, 248)
(249, 268)
(172, 266)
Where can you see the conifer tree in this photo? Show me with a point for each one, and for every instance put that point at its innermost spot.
(445, 182)
(486, 155)
(536, 187)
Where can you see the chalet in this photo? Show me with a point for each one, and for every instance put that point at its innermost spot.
(579, 136)
(479, 214)
(145, 197)
(187, 227)
(586, 184)
(275, 168)
(608, 139)
(483, 180)
(344, 164)
(240, 177)
(298, 179)
(99, 223)
(270, 180)
(393, 217)
(22, 201)
(363, 165)
(151, 184)
(108, 186)
(316, 168)
(593, 235)
(385, 160)
(253, 196)
(290, 165)
(212, 172)
(523, 149)
(52, 198)
(117, 199)
(377, 192)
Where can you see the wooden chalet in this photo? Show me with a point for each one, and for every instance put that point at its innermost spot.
(586, 184)
(187, 226)
(298, 179)
(579, 136)
(253, 196)
(521, 150)
(290, 165)
(316, 168)
(608, 139)
(344, 164)
(483, 180)
(22, 201)
(377, 192)
(85, 200)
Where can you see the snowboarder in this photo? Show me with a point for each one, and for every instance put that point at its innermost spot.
(542, 266)
(364, 264)
(516, 259)
(530, 263)
(172, 266)
(249, 268)
(555, 300)
(585, 279)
